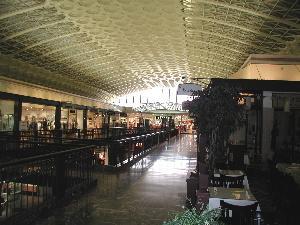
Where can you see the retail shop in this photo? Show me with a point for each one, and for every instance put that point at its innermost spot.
(71, 118)
(6, 115)
(184, 123)
(37, 117)
(94, 119)
(134, 120)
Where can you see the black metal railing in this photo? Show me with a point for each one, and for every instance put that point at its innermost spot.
(97, 133)
(32, 185)
(118, 151)
(126, 150)
(14, 148)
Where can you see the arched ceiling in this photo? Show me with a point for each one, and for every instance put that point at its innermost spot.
(121, 46)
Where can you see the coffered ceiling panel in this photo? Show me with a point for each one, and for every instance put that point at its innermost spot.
(122, 46)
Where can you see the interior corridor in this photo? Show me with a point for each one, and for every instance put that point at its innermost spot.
(149, 192)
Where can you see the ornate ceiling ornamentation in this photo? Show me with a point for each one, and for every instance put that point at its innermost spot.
(121, 46)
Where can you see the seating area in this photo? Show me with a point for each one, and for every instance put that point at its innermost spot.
(225, 189)
(255, 197)
(238, 215)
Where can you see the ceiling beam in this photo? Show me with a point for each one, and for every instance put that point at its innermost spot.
(94, 65)
(212, 64)
(210, 59)
(86, 60)
(243, 28)
(208, 69)
(24, 10)
(45, 41)
(218, 54)
(80, 44)
(216, 34)
(75, 55)
(250, 12)
(29, 30)
(220, 46)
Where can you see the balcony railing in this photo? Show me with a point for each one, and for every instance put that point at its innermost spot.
(32, 185)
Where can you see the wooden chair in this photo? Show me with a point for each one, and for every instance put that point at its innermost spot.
(202, 200)
(240, 215)
(233, 182)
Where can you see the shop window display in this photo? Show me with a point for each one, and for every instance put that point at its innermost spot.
(94, 120)
(37, 117)
(72, 119)
(6, 115)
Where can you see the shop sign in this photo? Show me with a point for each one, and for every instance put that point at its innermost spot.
(68, 105)
(188, 89)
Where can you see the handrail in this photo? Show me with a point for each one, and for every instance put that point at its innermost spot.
(43, 156)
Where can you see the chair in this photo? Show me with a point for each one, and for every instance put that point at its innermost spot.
(215, 181)
(232, 182)
(240, 215)
(203, 182)
(202, 200)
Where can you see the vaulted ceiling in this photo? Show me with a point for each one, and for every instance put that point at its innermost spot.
(121, 46)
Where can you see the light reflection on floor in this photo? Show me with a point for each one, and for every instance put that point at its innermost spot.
(147, 193)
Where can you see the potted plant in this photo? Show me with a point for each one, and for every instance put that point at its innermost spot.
(218, 113)
(192, 217)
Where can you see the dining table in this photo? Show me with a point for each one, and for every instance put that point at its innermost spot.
(229, 173)
(232, 173)
(291, 169)
(234, 196)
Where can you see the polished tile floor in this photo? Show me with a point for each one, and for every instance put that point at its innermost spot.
(149, 192)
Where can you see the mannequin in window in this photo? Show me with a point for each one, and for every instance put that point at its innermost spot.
(44, 124)
(33, 124)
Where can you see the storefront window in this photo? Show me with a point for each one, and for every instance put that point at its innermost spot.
(71, 119)
(79, 119)
(6, 115)
(94, 120)
(135, 120)
(37, 117)
(123, 120)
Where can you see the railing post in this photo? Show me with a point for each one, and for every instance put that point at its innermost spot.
(59, 184)
(17, 116)
(112, 153)
(78, 133)
(57, 123)
(84, 125)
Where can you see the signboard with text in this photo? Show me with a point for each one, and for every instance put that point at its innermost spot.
(188, 89)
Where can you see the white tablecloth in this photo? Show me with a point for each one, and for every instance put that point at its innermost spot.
(229, 173)
(233, 173)
(215, 203)
(243, 197)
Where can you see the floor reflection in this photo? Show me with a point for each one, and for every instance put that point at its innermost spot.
(147, 193)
